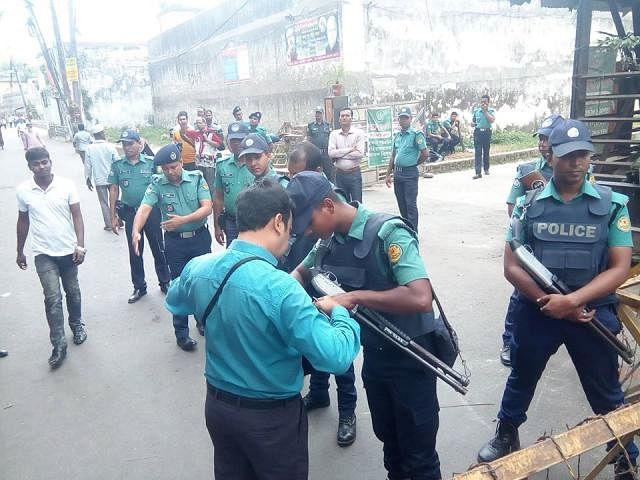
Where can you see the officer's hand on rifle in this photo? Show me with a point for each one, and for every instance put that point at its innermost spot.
(325, 304)
(563, 307)
(347, 300)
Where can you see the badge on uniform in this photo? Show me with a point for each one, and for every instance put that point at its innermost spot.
(173, 156)
(624, 225)
(170, 208)
(125, 183)
(419, 140)
(394, 252)
(516, 183)
(205, 186)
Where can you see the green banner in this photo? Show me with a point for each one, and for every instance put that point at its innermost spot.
(380, 132)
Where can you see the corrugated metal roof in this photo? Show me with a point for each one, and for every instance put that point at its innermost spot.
(599, 5)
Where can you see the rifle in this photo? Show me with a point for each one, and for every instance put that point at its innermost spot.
(325, 285)
(550, 283)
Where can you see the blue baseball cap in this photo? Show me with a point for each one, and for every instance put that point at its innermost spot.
(237, 130)
(548, 124)
(256, 115)
(168, 154)
(306, 189)
(569, 136)
(253, 143)
(404, 112)
(129, 135)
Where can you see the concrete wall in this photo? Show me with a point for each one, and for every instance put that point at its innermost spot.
(443, 52)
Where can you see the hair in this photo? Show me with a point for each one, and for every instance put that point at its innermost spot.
(435, 114)
(36, 153)
(99, 135)
(182, 113)
(259, 203)
(454, 113)
(310, 153)
(486, 96)
(81, 126)
(208, 110)
(347, 108)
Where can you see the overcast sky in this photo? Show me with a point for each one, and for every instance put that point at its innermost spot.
(98, 21)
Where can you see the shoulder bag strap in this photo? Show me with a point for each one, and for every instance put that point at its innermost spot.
(216, 296)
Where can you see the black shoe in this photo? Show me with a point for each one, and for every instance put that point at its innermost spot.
(200, 328)
(186, 343)
(622, 471)
(505, 442)
(505, 355)
(475, 177)
(164, 287)
(3, 353)
(311, 404)
(57, 356)
(346, 431)
(79, 335)
(136, 295)
(486, 172)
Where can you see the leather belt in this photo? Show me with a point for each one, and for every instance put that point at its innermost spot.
(187, 234)
(252, 403)
(342, 170)
(483, 129)
(404, 169)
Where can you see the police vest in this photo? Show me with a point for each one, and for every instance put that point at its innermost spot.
(571, 240)
(526, 168)
(354, 265)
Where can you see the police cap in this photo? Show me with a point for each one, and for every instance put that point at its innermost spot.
(253, 143)
(237, 130)
(548, 124)
(569, 136)
(306, 189)
(236, 109)
(129, 135)
(404, 112)
(256, 115)
(168, 154)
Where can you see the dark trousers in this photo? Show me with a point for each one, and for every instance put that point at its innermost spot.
(52, 271)
(153, 232)
(405, 187)
(345, 383)
(537, 337)
(350, 183)
(509, 319)
(404, 413)
(260, 444)
(179, 252)
(230, 228)
(481, 145)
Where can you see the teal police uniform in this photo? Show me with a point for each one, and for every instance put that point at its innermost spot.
(572, 239)
(189, 240)
(407, 146)
(435, 128)
(381, 252)
(259, 129)
(482, 140)
(133, 180)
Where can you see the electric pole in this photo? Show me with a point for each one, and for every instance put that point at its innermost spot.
(73, 52)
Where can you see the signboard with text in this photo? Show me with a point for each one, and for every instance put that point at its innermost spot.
(235, 64)
(380, 133)
(313, 39)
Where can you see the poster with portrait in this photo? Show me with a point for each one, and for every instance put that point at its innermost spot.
(313, 39)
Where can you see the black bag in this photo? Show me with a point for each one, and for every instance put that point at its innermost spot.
(446, 338)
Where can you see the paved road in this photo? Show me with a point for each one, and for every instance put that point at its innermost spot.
(128, 404)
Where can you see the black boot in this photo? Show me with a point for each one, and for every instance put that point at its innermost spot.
(505, 442)
(57, 356)
(623, 471)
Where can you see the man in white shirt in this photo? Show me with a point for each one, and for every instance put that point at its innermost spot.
(81, 140)
(346, 149)
(30, 137)
(97, 164)
(49, 207)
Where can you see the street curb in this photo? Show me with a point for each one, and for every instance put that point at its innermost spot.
(468, 162)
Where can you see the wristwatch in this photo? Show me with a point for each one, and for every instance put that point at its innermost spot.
(82, 250)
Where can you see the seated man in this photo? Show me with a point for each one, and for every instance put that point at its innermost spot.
(438, 139)
(452, 126)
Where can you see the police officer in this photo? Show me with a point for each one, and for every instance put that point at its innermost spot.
(409, 150)
(237, 113)
(318, 133)
(581, 232)
(263, 323)
(540, 172)
(185, 202)
(232, 175)
(254, 127)
(131, 175)
(377, 260)
(483, 118)
(254, 152)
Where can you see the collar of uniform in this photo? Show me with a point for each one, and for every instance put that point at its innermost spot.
(357, 226)
(403, 132)
(550, 191)
(253, 249)
(141, 158)
(185, 178)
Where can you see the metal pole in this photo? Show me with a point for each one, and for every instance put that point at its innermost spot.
(581, 59)
(73, 52)
(13, 70)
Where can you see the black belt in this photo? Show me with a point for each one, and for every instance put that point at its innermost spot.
(252, 403)
(483, 129)
(191, 234)
(404, 169)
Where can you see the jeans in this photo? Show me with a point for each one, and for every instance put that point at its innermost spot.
(405, 187)
(103, 198)
(481, 145)
(51, 271)
(351, 184)
(153, 233)
(179, 252)
(230, 228)
(345, 383)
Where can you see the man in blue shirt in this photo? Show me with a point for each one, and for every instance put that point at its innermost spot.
(483, 118)
(255, 338)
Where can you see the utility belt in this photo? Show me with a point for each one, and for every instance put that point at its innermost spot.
(251, 403)
(124, 211)
(483, 129)
(410, 169)
(190, 234)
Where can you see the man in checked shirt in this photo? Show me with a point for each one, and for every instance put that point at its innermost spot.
(346, 149)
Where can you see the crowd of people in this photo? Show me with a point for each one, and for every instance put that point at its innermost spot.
(264, 326)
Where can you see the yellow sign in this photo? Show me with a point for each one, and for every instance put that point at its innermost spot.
(72, 69)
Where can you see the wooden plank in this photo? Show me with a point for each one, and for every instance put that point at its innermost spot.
(613, 96)
(609, 75)
(612, 163)
(615, 140)
(546, 453)
(609, 119)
